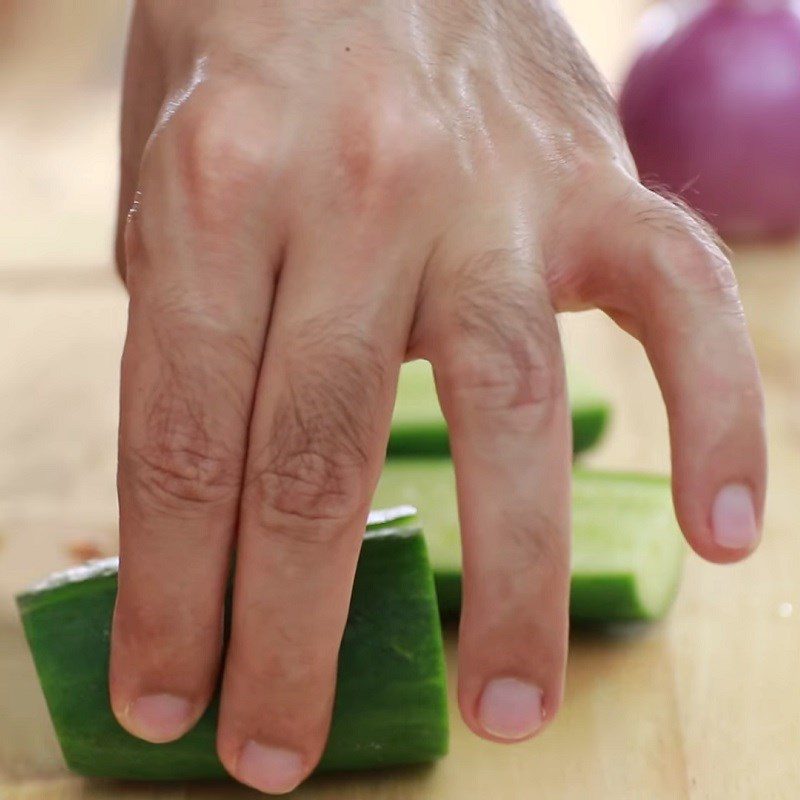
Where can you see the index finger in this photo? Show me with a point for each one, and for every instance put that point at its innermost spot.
(189, 369)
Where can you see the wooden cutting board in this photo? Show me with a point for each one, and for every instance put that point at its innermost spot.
(703, 706)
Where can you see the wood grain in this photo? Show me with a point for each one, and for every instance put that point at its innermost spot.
(703, 706)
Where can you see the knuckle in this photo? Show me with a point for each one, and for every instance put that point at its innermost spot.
(541, 547)
(179, 467)
(168, 475)
(165, 644)
(685, 252)
(383, 151)
(503, 344)
(311, 495)
(137, 621)
(586, 166)
(222, 152)
(313, 468)
(521, 378)
(292, 659)
(696, 267)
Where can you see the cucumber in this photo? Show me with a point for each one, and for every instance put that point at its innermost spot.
(418, 428)
(627, 550)
(390, 707)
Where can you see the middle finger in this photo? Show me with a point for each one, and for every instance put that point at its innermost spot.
(317, 442)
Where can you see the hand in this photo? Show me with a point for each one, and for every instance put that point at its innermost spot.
(320, 191)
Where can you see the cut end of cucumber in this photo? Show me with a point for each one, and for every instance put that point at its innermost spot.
(627, 551)
(87, 571)
(382, 518)
(390, 707)
(419, 429)
(628, 561)
(394, 521)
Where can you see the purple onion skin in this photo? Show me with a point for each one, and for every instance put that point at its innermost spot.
(712, 113)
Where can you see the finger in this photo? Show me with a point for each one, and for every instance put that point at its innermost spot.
(200, 279)
(500, 378)
(659, 272)
(319, 433)
(142, 95)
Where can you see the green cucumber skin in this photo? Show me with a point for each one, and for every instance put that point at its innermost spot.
(430, 439)
(607, 598)
(419, 430)
(589, 423)
(390, 706)
(448, 592)
(604, 589)
(592, 598)
(414, 439)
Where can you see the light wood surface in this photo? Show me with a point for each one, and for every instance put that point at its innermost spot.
(705, 705)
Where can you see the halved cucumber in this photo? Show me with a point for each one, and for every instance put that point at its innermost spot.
(418, 428)
(627, 550)
(390, 708)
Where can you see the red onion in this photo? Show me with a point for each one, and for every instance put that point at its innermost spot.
(711, 109)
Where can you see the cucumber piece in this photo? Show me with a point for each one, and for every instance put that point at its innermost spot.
(418, 428)
(390, 707)
(627, 550)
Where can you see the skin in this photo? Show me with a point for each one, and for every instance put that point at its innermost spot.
(311, 194)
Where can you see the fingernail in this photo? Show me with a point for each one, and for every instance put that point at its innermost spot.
(510, 708)
(733, 518)
(269, 769)
(159, 717)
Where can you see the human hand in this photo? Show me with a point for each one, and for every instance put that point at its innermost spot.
(320, 191)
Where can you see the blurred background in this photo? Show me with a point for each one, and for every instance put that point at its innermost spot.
(704, 705)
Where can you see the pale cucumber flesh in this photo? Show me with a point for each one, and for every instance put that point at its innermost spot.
(627, 551)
